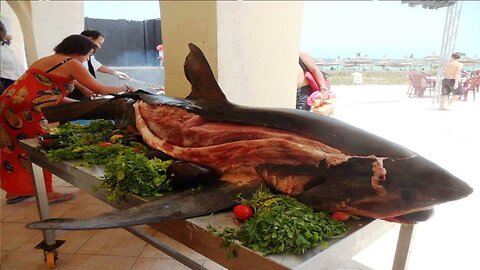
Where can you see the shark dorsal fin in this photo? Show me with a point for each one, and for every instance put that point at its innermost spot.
(204, 85)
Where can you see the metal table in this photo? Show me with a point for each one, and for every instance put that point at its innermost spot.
(192, 232)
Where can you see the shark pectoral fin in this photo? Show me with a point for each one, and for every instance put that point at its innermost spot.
(71, 111)
(185, 204)
(106, 108)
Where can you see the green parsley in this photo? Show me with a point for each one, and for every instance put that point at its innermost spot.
(133, 173)
(127, 169)
(281, 224)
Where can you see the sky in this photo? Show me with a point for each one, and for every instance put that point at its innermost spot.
(129, 10)
(383, 28)
(332, 29)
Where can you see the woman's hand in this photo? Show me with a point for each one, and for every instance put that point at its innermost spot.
(85, 91)
(90, 94)
(130, 88)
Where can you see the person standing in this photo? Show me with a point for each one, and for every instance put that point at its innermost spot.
(451, 83)
(81, 92)
(10, 67)
(160, 55)
(308, 74)
(46, 82)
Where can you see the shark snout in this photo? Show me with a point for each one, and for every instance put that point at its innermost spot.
(417, 179)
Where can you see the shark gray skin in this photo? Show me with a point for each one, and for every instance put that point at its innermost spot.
(369, 176)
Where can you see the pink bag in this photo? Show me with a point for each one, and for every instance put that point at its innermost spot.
(317, 96)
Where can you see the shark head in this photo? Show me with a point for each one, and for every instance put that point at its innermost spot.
(412, 187)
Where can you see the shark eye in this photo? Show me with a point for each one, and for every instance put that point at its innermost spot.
(408, 195)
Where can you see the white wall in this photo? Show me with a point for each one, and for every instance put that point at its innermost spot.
(17, 45)
(251, 46)
(186, 22)
(258, 45)
(55, 20)
(45, 23)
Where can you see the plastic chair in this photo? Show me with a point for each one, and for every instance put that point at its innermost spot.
(410, 89)
(471, 84)
(420, 83)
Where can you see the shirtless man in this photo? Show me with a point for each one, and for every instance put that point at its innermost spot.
(451, 82)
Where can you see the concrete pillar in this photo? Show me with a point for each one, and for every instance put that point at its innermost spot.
(258, 51)
(23, 12)
(15, 30)
(51, 30)
(252, 47)
(186, 22)
(46, 23)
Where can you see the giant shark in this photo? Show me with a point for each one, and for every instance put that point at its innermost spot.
(325, 163)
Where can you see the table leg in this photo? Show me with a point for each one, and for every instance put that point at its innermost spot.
(403, 246)
(165, 249)
(42, 202)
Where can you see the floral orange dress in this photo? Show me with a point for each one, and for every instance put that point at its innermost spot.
(21, 118)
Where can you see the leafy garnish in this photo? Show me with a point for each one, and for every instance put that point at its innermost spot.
(133, 173)
(127, 169)
(281, 224)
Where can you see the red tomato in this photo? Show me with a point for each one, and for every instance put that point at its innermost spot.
(105, 144)
(242, 212)
(341, 216)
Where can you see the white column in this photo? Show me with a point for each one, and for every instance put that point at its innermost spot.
(186, 22)
(252, 47)
(13, 28)
(44, 24)
(53, 21)
(258, 45)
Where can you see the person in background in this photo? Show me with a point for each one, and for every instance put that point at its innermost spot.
(160, 55)
(451, 81)
(304, 89)
(81, 92)
(46, 82)
(10, 67)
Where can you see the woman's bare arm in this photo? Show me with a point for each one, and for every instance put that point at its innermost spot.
(313, 68)
(84, 90)
(119, 74)
(81, 74)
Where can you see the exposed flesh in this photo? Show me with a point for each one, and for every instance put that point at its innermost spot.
(234, 150)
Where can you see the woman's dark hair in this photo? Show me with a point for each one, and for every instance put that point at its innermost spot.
(75, 45)
(94, 34)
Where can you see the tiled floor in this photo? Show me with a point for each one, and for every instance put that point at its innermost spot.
(447, 241)
(114, 249)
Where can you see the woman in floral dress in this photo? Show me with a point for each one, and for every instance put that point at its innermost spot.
(46, 82)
